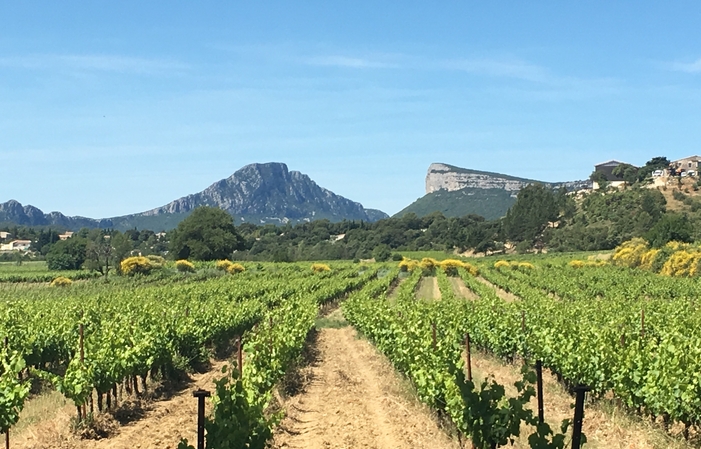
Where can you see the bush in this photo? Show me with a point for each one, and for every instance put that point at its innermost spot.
(648, 258)
(450, 266)
(135, 265)
(526, 266)
(156, 261)
(184, 266)
(630, 253)
(502, 264)
(473, 270)
(523, 247)
(396, 257)
(428, 266)
(381, 253)
(61, 282)
(408, 265)
(223, 265)
(236, 268)
(320, 267)
(682, 264)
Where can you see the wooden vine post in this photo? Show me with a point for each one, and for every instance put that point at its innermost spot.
(239, 356)
(469, 357)
(539, 389)
(82, 361)
(7, 434)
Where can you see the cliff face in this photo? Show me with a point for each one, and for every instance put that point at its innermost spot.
(456, 192)
(447, 177)
(450, 178)
(270, 192)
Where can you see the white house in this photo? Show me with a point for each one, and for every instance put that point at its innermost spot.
(4, 235)
(16, 245)
(66, 235)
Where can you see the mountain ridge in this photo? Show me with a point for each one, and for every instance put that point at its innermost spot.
(456, 191)
(257, 193)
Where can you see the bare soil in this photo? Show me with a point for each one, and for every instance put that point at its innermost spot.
(503, 294)
(428, 289)
(461, 290)
(355, 400)
(159, 424)
(605, 425)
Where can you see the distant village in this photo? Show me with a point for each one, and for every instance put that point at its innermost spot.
(681, 168)
(22, 245)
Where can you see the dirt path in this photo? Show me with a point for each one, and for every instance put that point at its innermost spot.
(428, 289)
(503, 294)
(355, 400)
(461, 290)
(164, 423)
(605, 427)
(394, 291)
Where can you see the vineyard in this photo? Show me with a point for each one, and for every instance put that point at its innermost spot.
(623, 333)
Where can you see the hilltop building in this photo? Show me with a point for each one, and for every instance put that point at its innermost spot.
(606, 169)
(690, 163)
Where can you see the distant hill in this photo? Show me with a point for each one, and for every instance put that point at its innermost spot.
(456, 192)
(489, 203)
(257, 193)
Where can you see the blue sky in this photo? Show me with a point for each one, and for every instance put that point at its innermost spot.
(111, 108)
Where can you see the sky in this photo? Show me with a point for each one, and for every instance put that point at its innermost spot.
(113, 108)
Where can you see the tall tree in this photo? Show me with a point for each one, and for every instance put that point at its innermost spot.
(535, 207)
(207, 234)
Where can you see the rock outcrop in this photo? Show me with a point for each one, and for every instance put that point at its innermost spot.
(257, 193)
(271, 193)
(451, 178)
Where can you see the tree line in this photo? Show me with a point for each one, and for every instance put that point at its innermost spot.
(540, 218)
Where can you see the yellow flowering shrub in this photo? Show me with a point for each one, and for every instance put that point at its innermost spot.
(587, 264)
(526, 266)
(320, 267)
(135, 265)
(682, 264)
(473, 270)
(647, 258)
(184, 266)
(428, 265)
(502, 264)
(234, 268)
(450, 266)
(408, 264)
(630, 253)
(156, 261)
(61, 282)
(223, 265)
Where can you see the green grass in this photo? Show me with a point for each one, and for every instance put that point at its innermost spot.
(26, 267)
(334, 320)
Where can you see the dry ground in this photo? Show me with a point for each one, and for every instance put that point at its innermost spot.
(461, 290)
(356, 400)
(428, 288)
(162, 425)
(503, 294)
